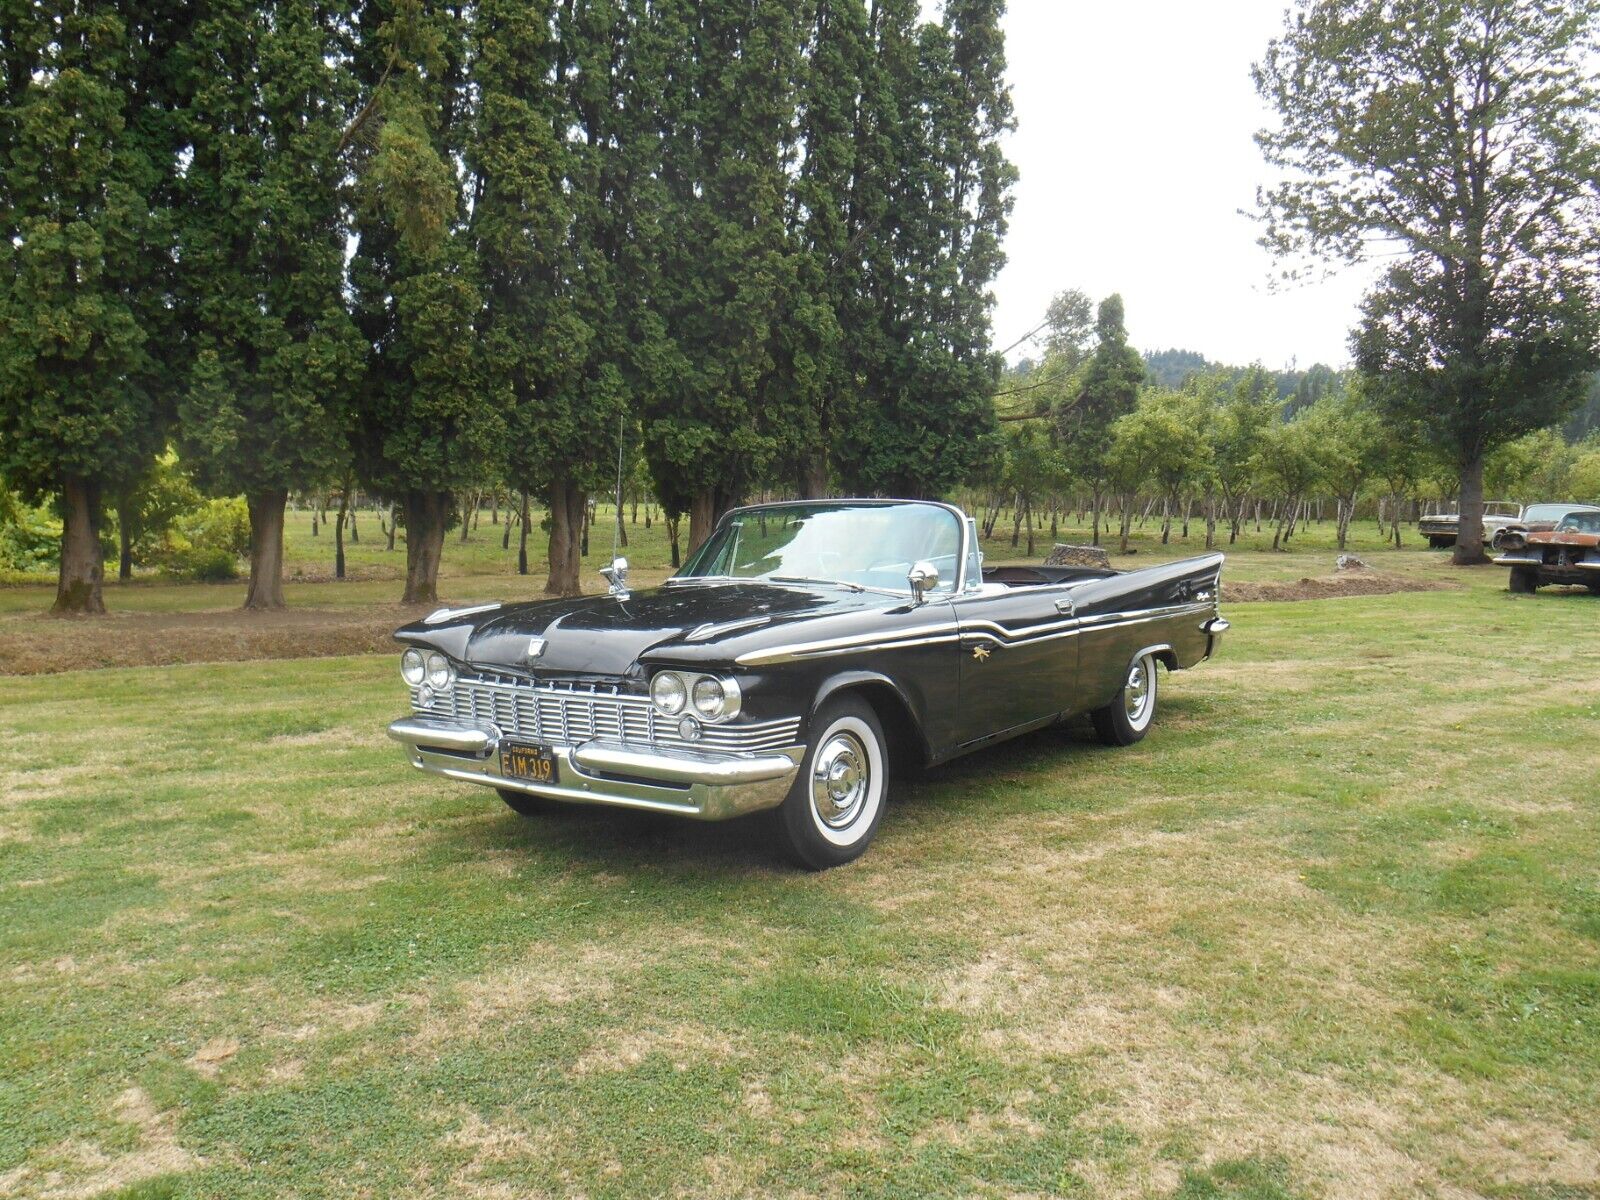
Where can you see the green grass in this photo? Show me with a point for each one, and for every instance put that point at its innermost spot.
(479, 568)
(1333, 929)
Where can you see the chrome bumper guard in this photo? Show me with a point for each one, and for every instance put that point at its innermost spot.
(1214, 628)
(707, 786)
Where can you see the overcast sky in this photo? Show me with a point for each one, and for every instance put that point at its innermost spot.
(1133, 140)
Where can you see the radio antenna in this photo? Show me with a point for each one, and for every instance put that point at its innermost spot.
(616, 526)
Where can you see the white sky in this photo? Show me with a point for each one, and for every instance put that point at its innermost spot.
(1134, 144)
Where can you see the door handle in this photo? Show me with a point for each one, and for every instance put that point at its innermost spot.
(1065, 605)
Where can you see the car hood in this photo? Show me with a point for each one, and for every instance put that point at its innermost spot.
(607, 635)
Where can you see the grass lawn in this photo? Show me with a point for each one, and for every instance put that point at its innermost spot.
(479, 569)
(1332, 930)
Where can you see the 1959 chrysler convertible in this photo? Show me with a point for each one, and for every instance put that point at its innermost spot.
(802, 654)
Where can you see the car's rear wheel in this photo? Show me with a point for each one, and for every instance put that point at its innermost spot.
(527, 805)
(836, 802)
(1127, 718)
(1524, 580)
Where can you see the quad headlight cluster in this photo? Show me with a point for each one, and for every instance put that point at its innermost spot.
(711, 698)
(430, 669)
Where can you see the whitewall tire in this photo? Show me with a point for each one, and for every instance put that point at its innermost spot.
(833, 809)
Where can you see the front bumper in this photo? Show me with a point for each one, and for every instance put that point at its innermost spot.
(709, 786)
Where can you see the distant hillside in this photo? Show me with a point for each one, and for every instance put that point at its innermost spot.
(1169, 368)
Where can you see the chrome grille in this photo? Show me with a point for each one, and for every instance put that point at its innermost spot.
(573, 713)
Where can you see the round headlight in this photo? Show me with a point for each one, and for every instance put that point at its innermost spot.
(668, 693)
(413, 669)
(716, 699)
(440, 676)
(709, 697)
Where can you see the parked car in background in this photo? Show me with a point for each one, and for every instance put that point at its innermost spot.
(1539, 518)
(805, 652)
(1442, 527)
(1569, 553)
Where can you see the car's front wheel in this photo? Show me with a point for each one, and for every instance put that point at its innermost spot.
(1524, 580)
(836, 802)
(1125, 720)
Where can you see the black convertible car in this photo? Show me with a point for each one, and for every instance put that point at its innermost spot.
(804, 652)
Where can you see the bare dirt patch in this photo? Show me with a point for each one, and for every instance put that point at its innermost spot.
(42, 645)
(1329, 587)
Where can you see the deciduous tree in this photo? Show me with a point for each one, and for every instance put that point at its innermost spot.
(1462, 138)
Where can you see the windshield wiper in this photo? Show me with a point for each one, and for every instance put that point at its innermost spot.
(844, 583)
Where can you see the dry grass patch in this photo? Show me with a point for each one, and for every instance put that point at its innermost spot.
(78, 1170)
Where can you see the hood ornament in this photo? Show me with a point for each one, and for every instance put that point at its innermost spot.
(535, 647)
(617, 576)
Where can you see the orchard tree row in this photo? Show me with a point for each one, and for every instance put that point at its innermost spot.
(425, 248)
(1223, 447)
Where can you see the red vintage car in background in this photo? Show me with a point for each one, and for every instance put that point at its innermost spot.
(1569, 553)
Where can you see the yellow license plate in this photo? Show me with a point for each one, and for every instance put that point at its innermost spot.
(534, 764)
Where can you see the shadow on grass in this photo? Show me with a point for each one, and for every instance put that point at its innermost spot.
(597, 837)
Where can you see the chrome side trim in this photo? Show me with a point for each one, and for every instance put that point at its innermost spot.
(979, 629)
(1506, 560)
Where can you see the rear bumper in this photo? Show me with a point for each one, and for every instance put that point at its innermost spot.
(706, 786)
(1214, 628)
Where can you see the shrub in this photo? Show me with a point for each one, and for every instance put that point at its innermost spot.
(201, 564)
(30, 541)
(218, 525)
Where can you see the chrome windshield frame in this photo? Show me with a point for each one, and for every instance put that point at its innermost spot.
(963, 523)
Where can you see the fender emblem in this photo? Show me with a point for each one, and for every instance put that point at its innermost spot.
(980, 652)
(535, 647)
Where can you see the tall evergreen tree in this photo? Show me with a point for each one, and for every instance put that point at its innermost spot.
(936, 105)
(726, 116)
(263, 247)
(87, 157)
(425, 423)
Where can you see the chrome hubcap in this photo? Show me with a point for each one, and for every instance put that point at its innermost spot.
(841, 777)
(1136, 696)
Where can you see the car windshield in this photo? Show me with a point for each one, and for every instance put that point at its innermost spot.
(1548, 512)
(858, 545)
(1580, 522)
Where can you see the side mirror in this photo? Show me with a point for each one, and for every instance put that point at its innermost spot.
(923, 578)
(617, 576)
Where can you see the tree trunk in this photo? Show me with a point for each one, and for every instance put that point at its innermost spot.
(1166, 519)
(124, 543)
(1094, 505)
(390, 531)
(522, 535)
(1127, 519)
(1211, 522)
(1469, 535)
(672, 539)
(814, 475)
(622, 529)
(355, 534)
(426, 515)
(705, 510)
(338, 535)
(265, 589)
(79, 580)
(568, 511)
